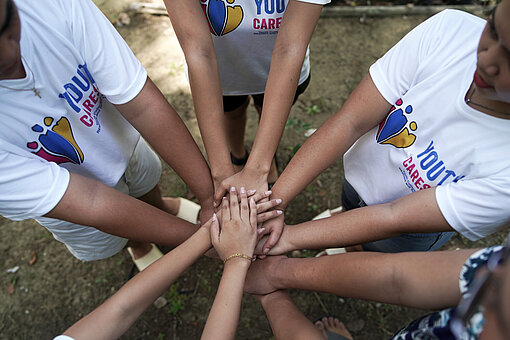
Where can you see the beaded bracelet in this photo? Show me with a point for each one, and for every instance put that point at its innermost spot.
(237, 255)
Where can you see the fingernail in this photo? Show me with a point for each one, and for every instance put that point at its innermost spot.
(266, 250)
(252, 201)
(224, 198)
(260, 230)
(279, 212)
(233, 189)
(251, 192)
(243, 191)
(214, 218)
(214, 204)
(278, 200)
(268, 193)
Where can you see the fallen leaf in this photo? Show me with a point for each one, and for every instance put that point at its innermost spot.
(356, 325)
(33, 259)
(9, 288)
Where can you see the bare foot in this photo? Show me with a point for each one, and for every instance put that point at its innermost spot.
(332, 325)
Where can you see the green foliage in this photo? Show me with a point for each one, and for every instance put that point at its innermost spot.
(297, 125)
(176, 301)
(312, 110)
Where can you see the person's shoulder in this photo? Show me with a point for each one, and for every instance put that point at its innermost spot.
(458, 17)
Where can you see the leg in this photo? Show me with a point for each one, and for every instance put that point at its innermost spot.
(235, 122)
(169, 204)
(286, 320)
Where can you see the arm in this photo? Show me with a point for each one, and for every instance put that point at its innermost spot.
(118, 313)
(286, 320)
(294, 35)
(191, 27)
(151, 114)
(409, 279)
(364, 109)
(415, 213)
(238, 235)
(118, 214)
(106, 203)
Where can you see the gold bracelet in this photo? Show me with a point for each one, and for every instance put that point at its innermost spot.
(237, 255)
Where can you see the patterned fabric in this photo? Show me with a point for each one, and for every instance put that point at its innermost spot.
(436, 326)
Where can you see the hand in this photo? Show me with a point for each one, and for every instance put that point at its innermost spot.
(273, 227)
(237, 233)
(259, 279)
(264, 212)
(251, 180)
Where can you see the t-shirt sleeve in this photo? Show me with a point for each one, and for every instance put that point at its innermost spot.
(395, 72)
(29, 187)
(118, 74)
(477, 207)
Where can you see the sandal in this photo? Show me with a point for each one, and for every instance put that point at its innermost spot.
(188, 210)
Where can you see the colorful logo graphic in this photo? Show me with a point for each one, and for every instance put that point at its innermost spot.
(58, 144)
(221, 17)
(394, 129)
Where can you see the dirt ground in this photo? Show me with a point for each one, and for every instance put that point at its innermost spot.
(44, 297)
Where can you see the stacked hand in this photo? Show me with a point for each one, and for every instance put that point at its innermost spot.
(237, 232)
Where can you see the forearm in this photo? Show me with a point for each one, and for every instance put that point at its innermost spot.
(286, 320)
(207, 98)
(414, 213)
(362, 111)
(294, 35)
(224, 315)
(119, 214)
(408, 279)
(161, 126)
(194, 36)
(118, 313)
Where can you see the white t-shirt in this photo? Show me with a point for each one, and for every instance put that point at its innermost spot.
(244, 34)
(80, 66)
(431, 137)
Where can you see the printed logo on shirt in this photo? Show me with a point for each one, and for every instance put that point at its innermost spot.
(421, 171)
(56, 142)
(269, 16)
(223, 17)
(83, 97)
(395, 128)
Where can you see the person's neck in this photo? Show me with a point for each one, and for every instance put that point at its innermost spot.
(19, 73)
(490, 107)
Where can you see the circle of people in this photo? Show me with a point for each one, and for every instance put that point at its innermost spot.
(422, 138)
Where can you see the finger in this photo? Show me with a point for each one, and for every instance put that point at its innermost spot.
(220, 192)
(225, 211)
(215, 230)
(253, 213)
(234, 205)
(263, 217)
(265, 206)
(262, 195)
(244, 207)
(271, 240)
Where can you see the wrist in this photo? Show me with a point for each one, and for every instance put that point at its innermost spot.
(274, 297)
(238, 262)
